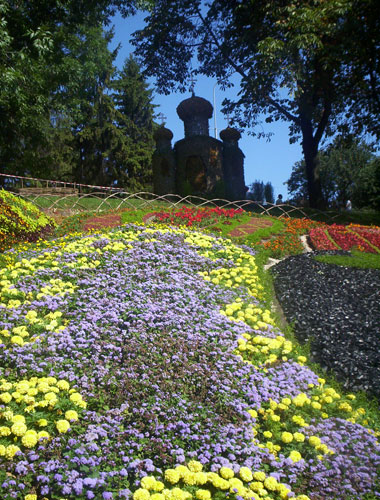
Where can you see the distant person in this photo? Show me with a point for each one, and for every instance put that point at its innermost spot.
(348, 206)
(279, 200)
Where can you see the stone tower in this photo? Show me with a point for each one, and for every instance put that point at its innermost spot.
(233, 164)
(198, 156)
(163, 163)
(199, 164)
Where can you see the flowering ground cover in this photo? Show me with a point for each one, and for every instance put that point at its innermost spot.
(288, 241)
(20, 221)
(337, 237)
(141, 363)
(197, 216)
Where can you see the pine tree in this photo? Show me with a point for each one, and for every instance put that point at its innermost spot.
(133, 100)
(269, 193)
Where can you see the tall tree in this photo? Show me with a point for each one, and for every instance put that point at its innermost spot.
(257, 191)
(293, 58)
(347, 170)
(133, 100)
(269, 192)
(33, 50)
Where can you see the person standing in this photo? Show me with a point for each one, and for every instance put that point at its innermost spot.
(348, 206)
(279, 200)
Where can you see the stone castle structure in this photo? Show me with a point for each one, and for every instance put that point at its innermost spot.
(198, 164)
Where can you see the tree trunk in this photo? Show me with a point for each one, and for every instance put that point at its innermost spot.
(310, 152)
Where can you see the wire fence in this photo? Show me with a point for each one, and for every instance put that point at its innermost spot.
(68, 198)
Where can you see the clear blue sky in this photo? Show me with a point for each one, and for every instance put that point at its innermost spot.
(266, 161)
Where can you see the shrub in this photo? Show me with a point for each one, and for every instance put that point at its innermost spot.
(20, 221)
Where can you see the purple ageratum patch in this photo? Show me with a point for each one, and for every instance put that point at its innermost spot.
(146, 340)
(353, 467)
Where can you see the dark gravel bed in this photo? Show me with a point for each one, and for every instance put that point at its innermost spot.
(338, 309)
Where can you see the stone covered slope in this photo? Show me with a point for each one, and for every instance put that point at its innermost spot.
(338, 309)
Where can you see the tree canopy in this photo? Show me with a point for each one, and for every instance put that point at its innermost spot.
(61, 115)
(305, 62)
(348, 169)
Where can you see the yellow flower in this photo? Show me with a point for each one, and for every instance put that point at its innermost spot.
(19, 429)
(18, 418)
(63, 385)
(29, 439)
(17, 339)
(157, 496)
(148, 482)
(172, 476)
(42, 422)
(203, 495)
(275, 418)
(295, 456)
(256, 485)
(271, 483)
(5, 397)
(299, 437)
(71, 415)
(200, 478)
(246, 474)
(62, 426)
(259, 476)
(314, 441)
(11, 450)
(226, 472)
(287, 437)
(43, 435)
(30, 497)
(195, 466)
(141, 494)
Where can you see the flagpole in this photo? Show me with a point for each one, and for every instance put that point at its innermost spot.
(215, 129)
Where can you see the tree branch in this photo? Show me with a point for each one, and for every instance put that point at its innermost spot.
(323, 121)
(238, 69)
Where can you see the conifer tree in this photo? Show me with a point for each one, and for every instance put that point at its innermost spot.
(133, 100)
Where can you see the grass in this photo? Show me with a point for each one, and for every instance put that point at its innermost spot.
(354, 259)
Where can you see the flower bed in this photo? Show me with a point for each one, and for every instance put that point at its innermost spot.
(289, 243)
(196, 217)
(148, 357)
(365, 239)
(319, 239)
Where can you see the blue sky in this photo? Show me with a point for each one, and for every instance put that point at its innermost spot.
(266, 161)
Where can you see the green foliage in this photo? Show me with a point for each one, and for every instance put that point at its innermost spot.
(20, 221)
(59, 118)
(257, 191)
(133, 100)
(35, 50)
(355, 259)
(269, 192)
(347, 169)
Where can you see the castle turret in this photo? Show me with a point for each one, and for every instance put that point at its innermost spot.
(163, 162)
(195, 113)
(199, 156)
(233, 164)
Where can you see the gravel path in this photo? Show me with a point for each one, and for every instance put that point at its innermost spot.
(338, 309)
